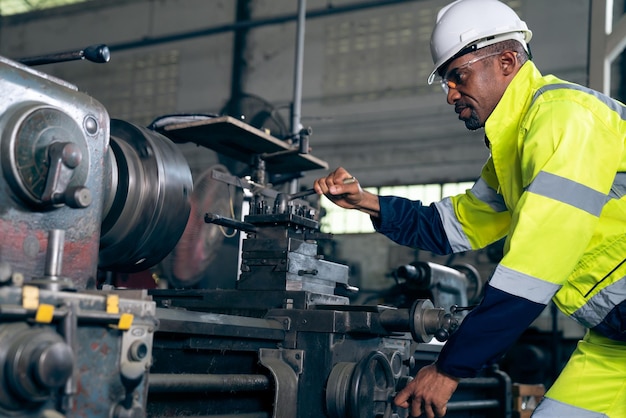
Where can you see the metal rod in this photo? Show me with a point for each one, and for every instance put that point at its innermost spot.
(213, 218)
(329, 11)
(282, 198)
(54, 253)
(296, 115)
(94, 53)
(395, 320)
(469, 405)
(303, 193)
(479, 382)
(296, 107)
(162, 382)
(69, 330)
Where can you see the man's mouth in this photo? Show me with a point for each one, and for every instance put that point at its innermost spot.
(464, 112)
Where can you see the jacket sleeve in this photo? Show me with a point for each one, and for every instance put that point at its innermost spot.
(468, 221)
(486, 333)
(410, 223)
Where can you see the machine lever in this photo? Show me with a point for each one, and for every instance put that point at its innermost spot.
(456, 308)
(280, 206)
(95, 53)
(212, 218)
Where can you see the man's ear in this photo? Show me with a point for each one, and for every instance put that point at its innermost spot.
(508, 62)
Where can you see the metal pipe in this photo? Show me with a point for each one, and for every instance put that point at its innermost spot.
(298, 70)
(296, 106)
(470, 405)
(163, 382)
(148, 41)
(480, 382)
(239, 61)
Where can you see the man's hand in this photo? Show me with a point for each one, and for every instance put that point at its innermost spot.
(428, 393)
(343, 190)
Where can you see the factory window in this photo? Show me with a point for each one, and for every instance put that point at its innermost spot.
(337, 220)
(13, 7)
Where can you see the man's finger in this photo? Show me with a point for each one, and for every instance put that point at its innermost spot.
(402, 398)
(416, 407)
(402, 403)
(428, 410)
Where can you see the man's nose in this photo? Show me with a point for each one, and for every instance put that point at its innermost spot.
(453, 95)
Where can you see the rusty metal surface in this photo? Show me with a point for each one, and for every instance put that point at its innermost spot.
(23, 226)
(101, 380)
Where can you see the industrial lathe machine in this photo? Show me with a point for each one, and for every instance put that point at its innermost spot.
(83, 194)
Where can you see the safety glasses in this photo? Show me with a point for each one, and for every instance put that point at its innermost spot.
(455, 77)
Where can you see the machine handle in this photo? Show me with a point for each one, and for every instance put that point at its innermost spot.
(212, 218)
(95, 53)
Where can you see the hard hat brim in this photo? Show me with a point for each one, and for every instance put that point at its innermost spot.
(522, 36)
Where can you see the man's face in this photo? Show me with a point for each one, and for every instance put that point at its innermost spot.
(474, 87)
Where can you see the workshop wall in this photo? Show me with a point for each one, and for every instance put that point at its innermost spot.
(364, 88)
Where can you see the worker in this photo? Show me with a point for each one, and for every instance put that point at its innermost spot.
(554, 185)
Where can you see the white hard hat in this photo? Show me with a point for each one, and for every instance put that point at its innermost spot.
(476, 24)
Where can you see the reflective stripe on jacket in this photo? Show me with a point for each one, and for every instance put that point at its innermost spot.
(554, 186)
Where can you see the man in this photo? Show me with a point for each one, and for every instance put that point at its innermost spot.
(554, 185)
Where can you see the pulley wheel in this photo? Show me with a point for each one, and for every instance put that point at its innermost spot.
(361, 390)
(337, 389)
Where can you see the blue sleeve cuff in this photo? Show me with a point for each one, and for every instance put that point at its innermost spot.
(408, 222)
(487, 332)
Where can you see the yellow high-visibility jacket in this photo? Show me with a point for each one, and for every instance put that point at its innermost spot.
(555, 187)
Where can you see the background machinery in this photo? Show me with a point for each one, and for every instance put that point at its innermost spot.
(85, 196)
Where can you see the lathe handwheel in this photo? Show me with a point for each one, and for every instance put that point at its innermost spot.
(27, 137)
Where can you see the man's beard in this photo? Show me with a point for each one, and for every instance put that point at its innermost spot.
(473, 123)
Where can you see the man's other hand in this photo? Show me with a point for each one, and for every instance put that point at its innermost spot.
(428, 393)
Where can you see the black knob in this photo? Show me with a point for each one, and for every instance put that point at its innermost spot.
(54, 365)
(38, 361)
(442, 335)
(97, 53)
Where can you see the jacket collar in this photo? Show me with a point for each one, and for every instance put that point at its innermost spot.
(514, 102)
